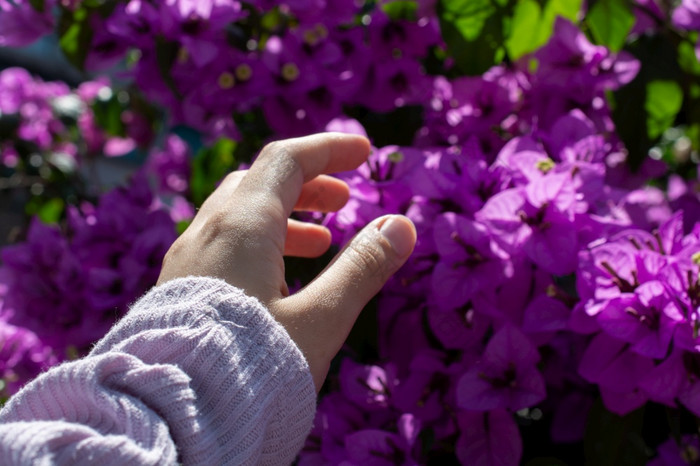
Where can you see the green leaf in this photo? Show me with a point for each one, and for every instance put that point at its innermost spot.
(524, 29)
(688, 59)
(468, 16)
(664, 101)
(51, 210)
(75, 36)
(533, 25)
(209, 167)
(693, 133)
(610, 22)
(401, 9)
(568, 9)
(182, 225)
(657, 55)
(108, 115)
(475, 32)
(48, 211)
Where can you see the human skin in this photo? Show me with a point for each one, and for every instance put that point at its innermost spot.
(243, 230)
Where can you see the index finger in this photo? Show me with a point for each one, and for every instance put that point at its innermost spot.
(283, 167)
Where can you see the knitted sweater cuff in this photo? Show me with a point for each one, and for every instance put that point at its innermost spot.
(196, 372)
(252, 381)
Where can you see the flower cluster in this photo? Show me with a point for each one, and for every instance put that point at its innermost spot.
(486, 318)
(38, 118)
(62, 290)
(640, 295)
(549, 272)
(228, 57)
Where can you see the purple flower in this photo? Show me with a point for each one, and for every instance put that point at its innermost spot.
(470, 262)
(22, 356)
(135, 22)
(382, 185)
(346, 72)
(235, 81)
(687, 16)
(459, 327)
(300, 114)
(392, 39)
(198, 24)
(667, 380)
(488, 438)
(46, 290)
(394, 83)
(421, 392)
(673, 453)
(506, 376)
(21, 24)
(171, 165)
(569, 64)
(538, 218)
(647, 319)
(293, 70)
(471, 106)
(685, 195)
(369, 387)
(618, 371)
(648, 15)
(375, 447)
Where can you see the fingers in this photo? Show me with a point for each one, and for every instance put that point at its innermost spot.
(323, 194)
(306, 239)
(331, 303)
(283, 167)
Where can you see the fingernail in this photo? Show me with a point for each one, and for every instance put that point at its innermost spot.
(400, 233)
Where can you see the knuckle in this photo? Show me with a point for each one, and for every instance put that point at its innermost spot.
(272, 147)
(370, 258)
(233, 177)
(221, 226)
(280, 157)
(173, 252)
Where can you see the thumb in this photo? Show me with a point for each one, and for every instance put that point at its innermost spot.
(320, 317)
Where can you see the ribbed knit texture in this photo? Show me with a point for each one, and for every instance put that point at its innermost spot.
(196, 372)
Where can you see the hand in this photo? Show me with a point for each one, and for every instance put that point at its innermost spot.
(242, 232)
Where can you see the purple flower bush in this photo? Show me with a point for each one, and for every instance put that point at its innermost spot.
(552, 302)
(42, 115)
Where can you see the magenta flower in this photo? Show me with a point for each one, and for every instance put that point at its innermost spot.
(135, 22)
(46, 290)
(538, 218)
(22, 356)
(470, 262)
(198, 25)
(488, 438)
(374, 447)
(171, 165)
(21, 24)
(672, 453)
(394, 83)
(369, 387)
(647, 319)
(569, 64)
(505, 377)
(687, 16)
(618, 372)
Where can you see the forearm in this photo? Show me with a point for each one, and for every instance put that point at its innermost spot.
(196, 372)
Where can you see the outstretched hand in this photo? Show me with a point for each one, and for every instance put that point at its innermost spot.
(243, 230)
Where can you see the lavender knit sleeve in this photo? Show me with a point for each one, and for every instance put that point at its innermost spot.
(196, 373)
